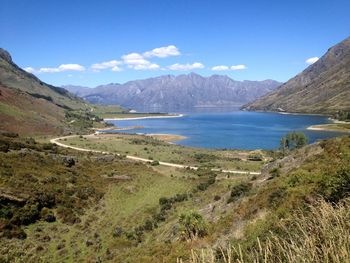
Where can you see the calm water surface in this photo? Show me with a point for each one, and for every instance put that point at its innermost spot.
(234, 130)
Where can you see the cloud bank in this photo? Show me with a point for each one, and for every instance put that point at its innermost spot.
(138, 61)
(60, 68)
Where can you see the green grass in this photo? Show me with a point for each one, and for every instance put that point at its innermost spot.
(124, 205)
(147, 147)
(6, 109)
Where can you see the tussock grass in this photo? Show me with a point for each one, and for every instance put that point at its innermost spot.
(322, 235)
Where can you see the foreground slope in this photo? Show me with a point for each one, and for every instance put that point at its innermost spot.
(88, 207)
(181, 92)
(324, 87)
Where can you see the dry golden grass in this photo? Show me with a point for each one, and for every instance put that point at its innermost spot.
(322, 235)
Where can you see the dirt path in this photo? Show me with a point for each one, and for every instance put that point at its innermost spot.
(135, 158)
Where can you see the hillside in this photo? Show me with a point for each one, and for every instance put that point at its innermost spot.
(323, 87)
(181, 92)
(89, 207)
(29, 106)
(12, 76)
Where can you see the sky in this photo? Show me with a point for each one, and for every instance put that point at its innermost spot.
(90, 43)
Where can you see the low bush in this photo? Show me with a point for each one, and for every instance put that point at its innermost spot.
(192, 225)
(238, 191)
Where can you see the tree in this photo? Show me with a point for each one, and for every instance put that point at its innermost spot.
(192, 225)
(293, 140)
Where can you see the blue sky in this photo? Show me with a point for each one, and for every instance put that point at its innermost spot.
(97, 42)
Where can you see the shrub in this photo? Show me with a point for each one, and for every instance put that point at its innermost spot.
(163, 200)
(192, 225)
(118, 231)
(9, 134)
(204, 186)
(336, 187)
(68, 161)
(27, 215)
(275, 172)
(217, 198)
(148, 225)
(276, 197)
(238, 191)
(293, 140)
(155, 163)
(47, 215)
(255, 157)
(4, 146)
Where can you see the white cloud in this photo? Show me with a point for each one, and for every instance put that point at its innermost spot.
(135, 59)
(220, 68)
(113, 64)
(116, 68)
(138, 62)
(223, 67)
(73, 67)
(60, 68)
(48, 70)
(163, 52)
(30, 69)
(178, 66)
(150, 66)
(238, 67)
(311, 60)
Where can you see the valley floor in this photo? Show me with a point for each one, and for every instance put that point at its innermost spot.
(105, 140)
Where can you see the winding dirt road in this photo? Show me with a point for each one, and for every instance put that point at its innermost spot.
(135, 158)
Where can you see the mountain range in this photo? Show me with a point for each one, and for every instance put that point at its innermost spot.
(323, 87)
(180, 92)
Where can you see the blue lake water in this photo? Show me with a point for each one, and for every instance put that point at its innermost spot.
(231, 130)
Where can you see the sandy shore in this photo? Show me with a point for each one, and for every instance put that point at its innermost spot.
(328, 127)
(145, 117)
(114, 128)
(159, 136)
(167, 137)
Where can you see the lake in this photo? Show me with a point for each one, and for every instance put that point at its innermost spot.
(231, 130)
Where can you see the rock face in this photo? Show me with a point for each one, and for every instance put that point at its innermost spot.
(323, 87)
(181, 92)
(5, 55)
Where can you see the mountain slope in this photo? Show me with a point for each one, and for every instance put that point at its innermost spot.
(177, 92)
(12, 76)
(30, 107)
(324, 87)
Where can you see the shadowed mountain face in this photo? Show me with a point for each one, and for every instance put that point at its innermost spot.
(181, 92)
(324, 87)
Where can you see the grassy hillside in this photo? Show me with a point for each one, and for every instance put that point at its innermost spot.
(31, 107)
(14, 77)
(323, 87)
(61, 205)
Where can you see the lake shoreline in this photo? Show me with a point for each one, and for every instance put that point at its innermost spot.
(231, 130)
(145, 117)
(332, 127)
